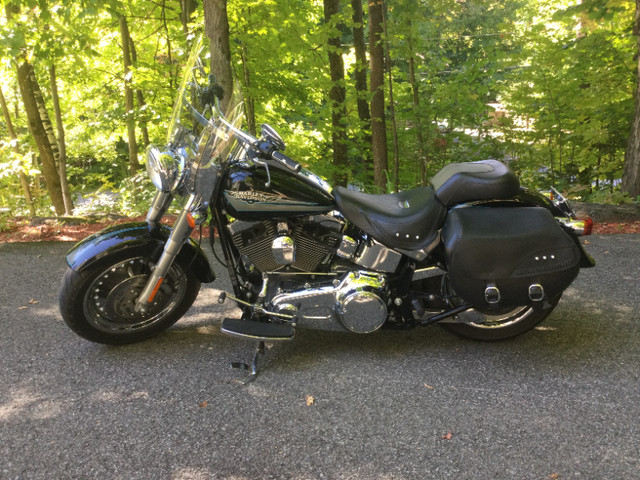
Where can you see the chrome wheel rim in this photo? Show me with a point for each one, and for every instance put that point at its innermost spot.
(109, 303)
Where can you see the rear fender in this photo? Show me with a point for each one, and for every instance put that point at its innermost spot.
(131, 239)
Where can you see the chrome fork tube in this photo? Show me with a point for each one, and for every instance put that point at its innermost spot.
(159, 206)
(180, 232)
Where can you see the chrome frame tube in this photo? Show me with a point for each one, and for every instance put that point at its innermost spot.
(179, 235)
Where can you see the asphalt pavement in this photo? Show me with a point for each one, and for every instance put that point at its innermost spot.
(560, 402)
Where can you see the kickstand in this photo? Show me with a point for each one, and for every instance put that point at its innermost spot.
(253, 368)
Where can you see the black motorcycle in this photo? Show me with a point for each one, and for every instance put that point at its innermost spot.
(473, 251)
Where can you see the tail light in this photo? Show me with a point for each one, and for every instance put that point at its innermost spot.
(579, 226)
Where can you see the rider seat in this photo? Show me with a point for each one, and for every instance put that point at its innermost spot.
(484, 180)
(408, 220)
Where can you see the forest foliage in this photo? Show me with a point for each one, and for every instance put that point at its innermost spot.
(545, 85)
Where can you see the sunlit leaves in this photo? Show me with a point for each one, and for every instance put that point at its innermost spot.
(562, 72)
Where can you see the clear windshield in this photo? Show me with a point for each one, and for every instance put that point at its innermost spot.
(199, 131)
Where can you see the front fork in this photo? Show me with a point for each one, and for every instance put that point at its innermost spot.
(182, 228)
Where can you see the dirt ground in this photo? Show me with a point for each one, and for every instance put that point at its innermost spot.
(25, 230)
(49, 230)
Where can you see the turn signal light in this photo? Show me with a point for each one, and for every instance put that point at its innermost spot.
(588, 226)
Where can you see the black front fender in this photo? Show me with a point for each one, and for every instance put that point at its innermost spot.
(136, 239)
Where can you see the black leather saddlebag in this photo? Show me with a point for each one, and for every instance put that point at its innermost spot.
(505, 257)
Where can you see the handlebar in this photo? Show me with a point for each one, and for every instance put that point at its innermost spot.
(288, 162)
(265, 148)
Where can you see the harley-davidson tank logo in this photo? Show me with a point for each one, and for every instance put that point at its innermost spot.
(248, 201)
(252, 196)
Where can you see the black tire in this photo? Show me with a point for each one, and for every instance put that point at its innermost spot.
(97, 303)
(485, 327)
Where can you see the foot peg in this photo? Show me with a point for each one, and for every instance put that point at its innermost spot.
(260, 331)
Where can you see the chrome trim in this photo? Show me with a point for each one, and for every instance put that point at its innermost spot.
(356, 301)
(536, 292)
(492, 294)
(358, 304)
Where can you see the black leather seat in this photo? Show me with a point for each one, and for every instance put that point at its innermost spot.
(485, 180)
(408, 220)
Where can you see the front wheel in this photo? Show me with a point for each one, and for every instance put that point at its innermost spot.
(500, 326)
(99, 303)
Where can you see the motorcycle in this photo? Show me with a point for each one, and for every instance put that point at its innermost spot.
(472, 251)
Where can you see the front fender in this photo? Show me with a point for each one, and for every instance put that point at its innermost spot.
(138, 238)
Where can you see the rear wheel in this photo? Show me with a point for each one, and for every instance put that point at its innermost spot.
(502, 325)
(99, 303)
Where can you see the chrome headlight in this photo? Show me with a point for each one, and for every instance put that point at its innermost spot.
(164, 168)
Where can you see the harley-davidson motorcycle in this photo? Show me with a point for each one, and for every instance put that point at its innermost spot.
(473, 251)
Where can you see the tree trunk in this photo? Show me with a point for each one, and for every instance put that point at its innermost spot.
(128, 96)
(362, 94)
(249, 103)
(44, 116)
(378, 126)
(37, 129)
(187, 7)
(337, 95)
(216, 25)
(248, 100)
(422, 151)
(168, 38)
(631, 173)
(24, 181)
(392, 107)
(62, 148)
(139, 95)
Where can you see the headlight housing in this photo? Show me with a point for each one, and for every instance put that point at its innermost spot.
(164, 167)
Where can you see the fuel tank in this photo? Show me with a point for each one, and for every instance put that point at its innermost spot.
(248, 194)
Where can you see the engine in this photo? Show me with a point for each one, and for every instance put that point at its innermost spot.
(304, 244)
(312, 269)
